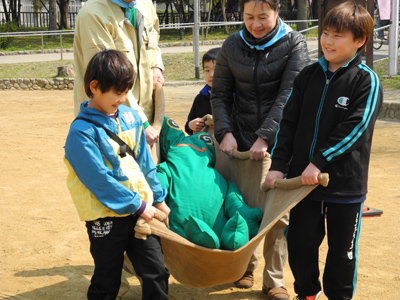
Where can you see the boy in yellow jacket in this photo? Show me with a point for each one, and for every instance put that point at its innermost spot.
(110, 187)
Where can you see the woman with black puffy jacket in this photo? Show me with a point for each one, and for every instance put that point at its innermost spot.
(257, 65)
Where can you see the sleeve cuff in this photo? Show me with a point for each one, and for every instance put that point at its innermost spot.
(141, 208)
(161, 67)
(278, 165)
(319, 161)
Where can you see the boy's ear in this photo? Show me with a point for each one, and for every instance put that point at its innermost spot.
(94, 86)
(360, 41)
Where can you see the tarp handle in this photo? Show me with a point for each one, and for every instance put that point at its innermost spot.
(283, 184)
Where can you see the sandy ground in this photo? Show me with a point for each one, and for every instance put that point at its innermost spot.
(44, 249)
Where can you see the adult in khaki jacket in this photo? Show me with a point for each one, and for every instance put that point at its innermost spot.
(108, 24)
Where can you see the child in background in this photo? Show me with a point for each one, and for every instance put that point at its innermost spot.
(110, 190)
(201, 104)
(327, 126)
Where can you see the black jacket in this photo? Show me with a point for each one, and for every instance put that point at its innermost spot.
(260, 80)
(330, 123)
(201, 106)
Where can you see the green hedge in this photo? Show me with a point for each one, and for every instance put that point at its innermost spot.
(7, 27)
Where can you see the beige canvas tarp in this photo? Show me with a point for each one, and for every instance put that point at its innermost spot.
(201, 267)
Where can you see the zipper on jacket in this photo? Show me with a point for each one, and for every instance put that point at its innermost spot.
(317, 119)
(256, 89)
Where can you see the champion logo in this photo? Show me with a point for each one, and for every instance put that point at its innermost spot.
(342, 102)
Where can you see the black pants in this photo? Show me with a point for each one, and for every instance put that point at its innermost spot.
(109, 239)
(305, 235)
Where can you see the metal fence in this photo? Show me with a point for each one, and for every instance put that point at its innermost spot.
(174, 17)
(60, 33)
(41, 19)
(38, 19)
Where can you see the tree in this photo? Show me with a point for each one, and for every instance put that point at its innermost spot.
(302, 14)
(5, 9)
(37, 7)
(63, 6)
(314, 11)
(214, 5)
(180, 8)
(52, 15)
(13, 12)
(183, 18)
(223, 6)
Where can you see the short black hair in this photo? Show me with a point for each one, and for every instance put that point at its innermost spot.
(210, 55)
(111, 69)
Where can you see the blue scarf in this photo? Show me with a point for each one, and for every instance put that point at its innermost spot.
(129, 10)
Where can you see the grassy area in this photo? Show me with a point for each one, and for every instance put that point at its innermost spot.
(390, 82)
(179, 67)
(173, 35)
(167, 36)
(46, 69)
(35, 42)
(381, 68)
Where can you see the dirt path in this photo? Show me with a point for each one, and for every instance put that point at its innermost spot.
(44, 247)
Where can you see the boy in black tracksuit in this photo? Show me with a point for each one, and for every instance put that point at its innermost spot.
(327, 126)
(202, 105)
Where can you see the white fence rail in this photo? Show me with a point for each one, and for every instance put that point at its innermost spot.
(393, 58)
(59, 33)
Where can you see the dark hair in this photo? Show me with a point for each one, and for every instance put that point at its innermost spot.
(274, 4)
(350, 17)
(111, 69)
(210, 55)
